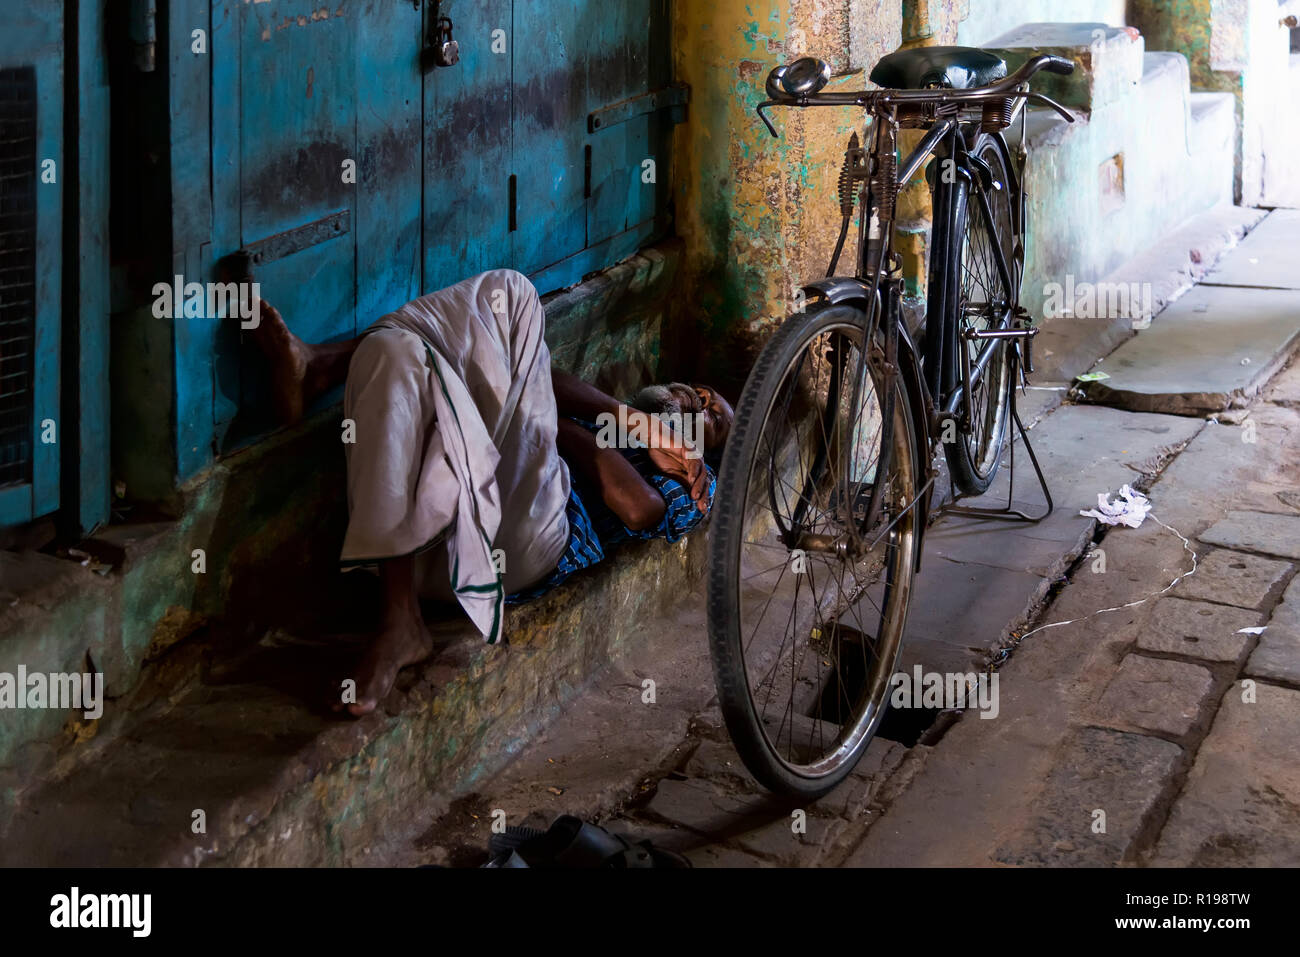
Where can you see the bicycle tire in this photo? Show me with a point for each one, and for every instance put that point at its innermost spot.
(976, 452)
(728, 528)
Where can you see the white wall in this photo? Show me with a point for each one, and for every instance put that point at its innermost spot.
(990, 18)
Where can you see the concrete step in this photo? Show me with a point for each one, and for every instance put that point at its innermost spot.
(1108, 60)
(1166, 79)
(1267, 257)
(1210, 351)
(1157, 62)
(1214, 122)
(280, 780)
(1069, 344)
(42, 599)
(1138, 164)
(1139, 160)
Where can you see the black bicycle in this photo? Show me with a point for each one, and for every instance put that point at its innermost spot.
(827, 480)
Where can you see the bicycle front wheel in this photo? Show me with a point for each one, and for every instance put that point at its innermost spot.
(808, 582)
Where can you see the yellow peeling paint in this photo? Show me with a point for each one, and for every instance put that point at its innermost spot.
(760, 215)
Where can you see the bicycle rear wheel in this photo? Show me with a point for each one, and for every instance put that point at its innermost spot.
(806, 605)
(981, 303)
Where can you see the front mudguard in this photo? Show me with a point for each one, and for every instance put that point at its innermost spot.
(853, 291)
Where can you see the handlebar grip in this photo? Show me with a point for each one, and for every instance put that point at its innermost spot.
(1058, 64)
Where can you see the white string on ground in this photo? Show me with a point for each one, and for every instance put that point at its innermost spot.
(1187, 546)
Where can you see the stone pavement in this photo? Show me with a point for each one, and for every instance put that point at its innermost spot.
(1160, 731)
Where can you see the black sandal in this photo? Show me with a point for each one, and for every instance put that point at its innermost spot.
(571, 843)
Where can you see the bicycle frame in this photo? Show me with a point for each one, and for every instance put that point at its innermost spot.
(946, 140)
(876, 288)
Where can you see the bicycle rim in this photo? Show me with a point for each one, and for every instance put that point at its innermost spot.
(806, 607)
(981, 302)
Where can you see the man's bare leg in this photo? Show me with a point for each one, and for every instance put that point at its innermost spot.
(300, 371)
(402, 639)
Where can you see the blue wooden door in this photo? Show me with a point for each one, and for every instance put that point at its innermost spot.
(316, 172)
(630, 126)
(552, 42)
(31, 177)
(358, 176)
(468, 147)
(592, 120)
(547, 146)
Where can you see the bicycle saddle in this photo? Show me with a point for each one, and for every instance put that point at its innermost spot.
(954, 68)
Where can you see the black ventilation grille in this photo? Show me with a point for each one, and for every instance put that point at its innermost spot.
(17, 270)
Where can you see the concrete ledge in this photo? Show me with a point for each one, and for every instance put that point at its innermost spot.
(1068, 346)
(293, 786)
(1212, 350)
(1214, 121)
(1108, 60)
(280, 783)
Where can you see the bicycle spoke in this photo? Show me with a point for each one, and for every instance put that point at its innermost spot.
(816, 461)
(982, 302)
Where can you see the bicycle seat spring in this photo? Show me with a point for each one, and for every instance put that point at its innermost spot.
(997, 115)
(884, 185)
(849, 174)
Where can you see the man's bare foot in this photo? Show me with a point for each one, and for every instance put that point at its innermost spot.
(402, 641)
(289, 357)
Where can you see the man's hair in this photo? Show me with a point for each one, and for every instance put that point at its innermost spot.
(653, 399)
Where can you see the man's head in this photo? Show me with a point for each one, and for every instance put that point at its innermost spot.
(678, 397)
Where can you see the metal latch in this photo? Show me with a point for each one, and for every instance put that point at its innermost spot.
(668, 98)
(239, 264)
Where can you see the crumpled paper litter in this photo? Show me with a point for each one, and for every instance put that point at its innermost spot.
(1129, 508)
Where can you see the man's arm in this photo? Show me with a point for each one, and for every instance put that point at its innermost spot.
(667, 450)
(580, 399)
(635, 501)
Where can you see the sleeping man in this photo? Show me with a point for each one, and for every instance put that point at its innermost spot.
(479, 474)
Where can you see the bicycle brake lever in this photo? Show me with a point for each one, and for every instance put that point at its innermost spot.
(763, 116)
(1038, 97)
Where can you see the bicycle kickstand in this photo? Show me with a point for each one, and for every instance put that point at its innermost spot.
(1008, 513)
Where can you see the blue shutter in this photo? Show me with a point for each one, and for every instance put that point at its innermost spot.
(31, 126)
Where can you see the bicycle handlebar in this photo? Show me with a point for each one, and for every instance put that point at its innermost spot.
(871, 98)
(1044, 61)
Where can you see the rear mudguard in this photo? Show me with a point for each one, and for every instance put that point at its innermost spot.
(853, 291)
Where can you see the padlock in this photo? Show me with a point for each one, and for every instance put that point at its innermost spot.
(446, 51)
